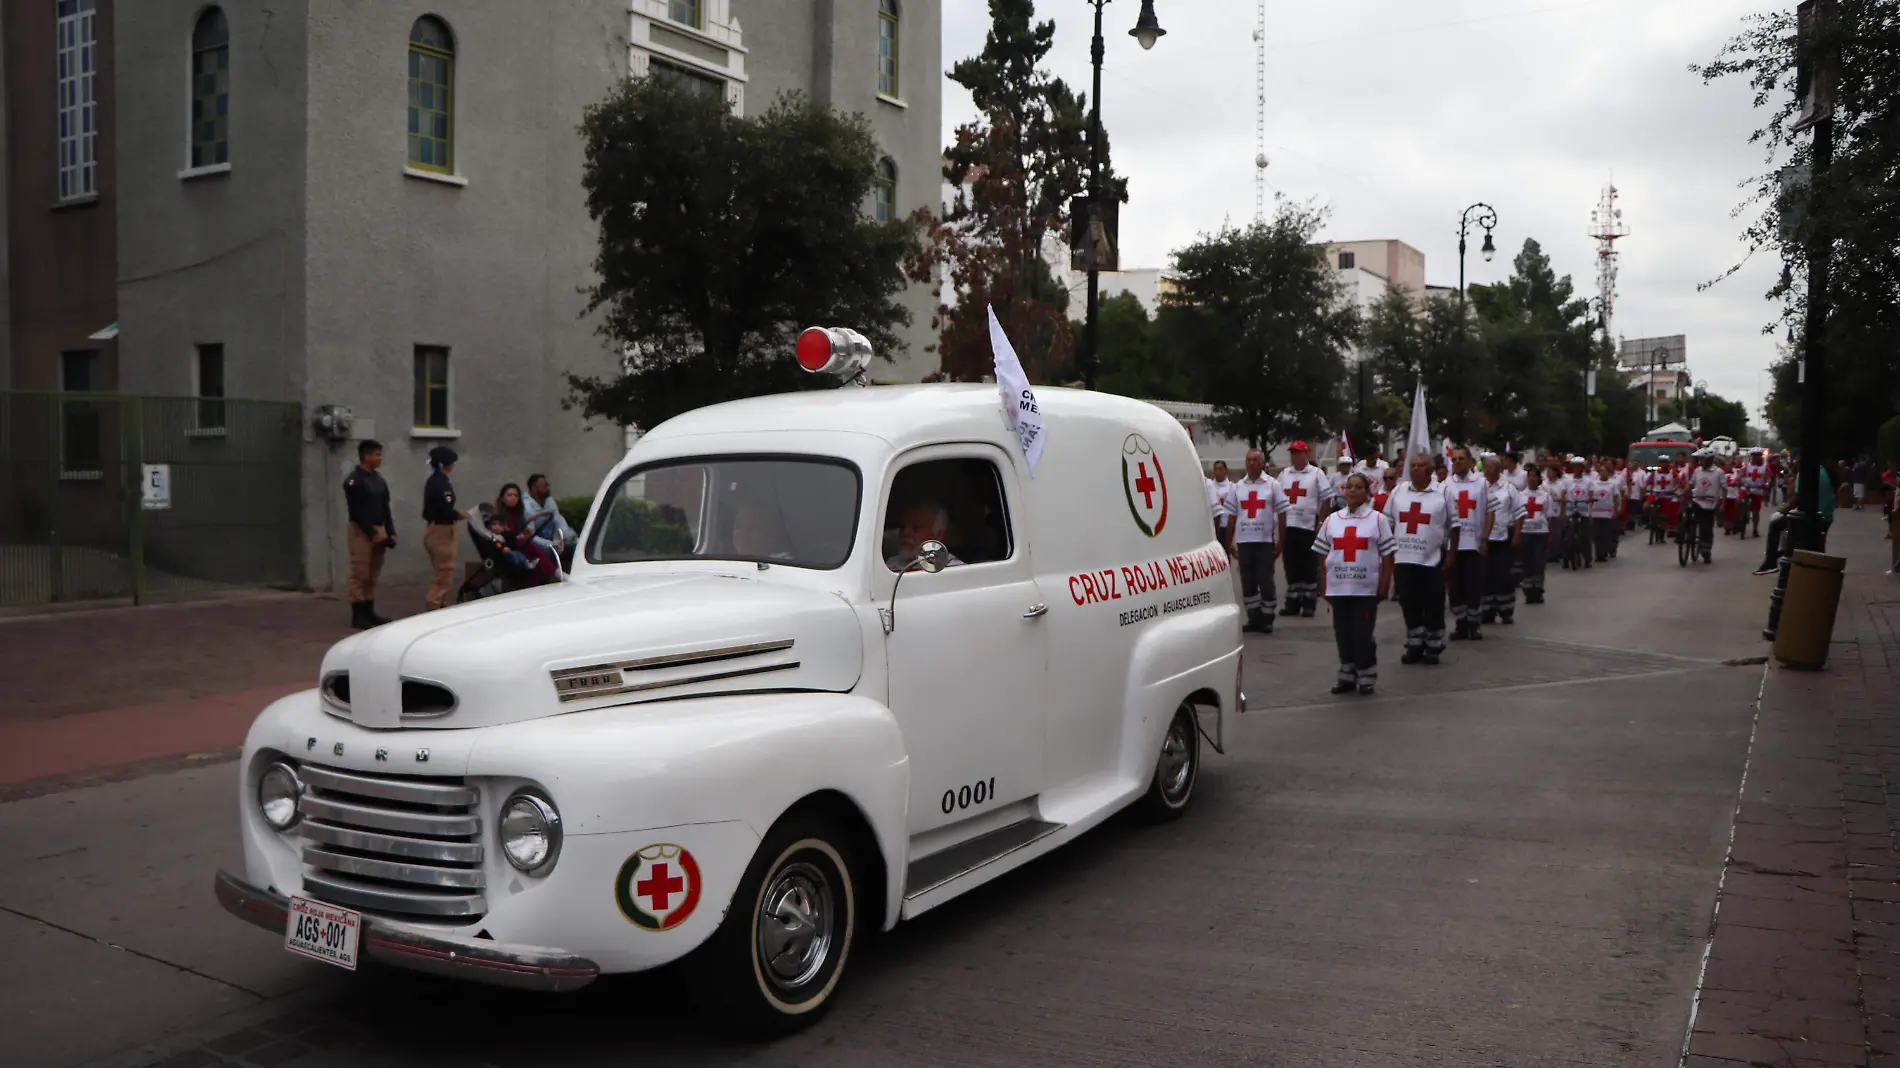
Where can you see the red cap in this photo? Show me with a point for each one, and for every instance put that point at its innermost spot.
(1298, 446)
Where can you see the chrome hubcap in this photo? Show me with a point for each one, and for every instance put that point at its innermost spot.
(1177, 759)
(795, 925)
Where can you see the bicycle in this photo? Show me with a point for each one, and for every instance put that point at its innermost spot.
(1690, 538)
(1652, 515)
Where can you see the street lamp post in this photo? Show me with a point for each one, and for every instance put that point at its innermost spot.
(1487, 218)
(1147, 30)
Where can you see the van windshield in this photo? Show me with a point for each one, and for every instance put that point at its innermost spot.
(795, 511)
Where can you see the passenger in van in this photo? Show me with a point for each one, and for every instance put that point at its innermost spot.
(919, 523)
(759, 532)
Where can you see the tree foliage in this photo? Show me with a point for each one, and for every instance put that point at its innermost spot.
(1262, 322)
(721, 237)
(1015, 169)
(1856, 202)
(1135, 360)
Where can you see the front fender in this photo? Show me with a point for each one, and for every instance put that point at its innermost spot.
(744, 759)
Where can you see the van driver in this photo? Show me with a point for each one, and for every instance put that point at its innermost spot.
(920, 523)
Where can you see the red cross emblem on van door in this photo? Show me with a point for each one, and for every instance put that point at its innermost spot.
(1253, 504)
(1413, 518)
(1144, 485)
(1350, 543)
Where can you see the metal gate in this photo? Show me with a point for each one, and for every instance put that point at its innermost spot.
(114, 496)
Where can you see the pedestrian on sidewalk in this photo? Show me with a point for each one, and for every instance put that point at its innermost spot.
(1415, 511)
(1778, 523)
(1354, 548)
(372, 532)
(1866, 475)
(1309, 496)
(551, 529)
(1470, 527)
(1258, 532)
(1500, 592)
(1533, 532)
(443, 519)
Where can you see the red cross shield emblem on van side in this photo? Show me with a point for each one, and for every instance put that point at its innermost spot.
(1143, 484)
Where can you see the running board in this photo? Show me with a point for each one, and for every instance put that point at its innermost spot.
(963, 858)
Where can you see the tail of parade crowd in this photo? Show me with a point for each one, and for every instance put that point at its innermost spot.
(520, 539)
(1473, 531)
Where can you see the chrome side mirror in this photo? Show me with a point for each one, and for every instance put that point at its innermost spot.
(932, 557)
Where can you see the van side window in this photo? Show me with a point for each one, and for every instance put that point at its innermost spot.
(958, 502)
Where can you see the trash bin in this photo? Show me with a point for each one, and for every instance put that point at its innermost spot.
(1807, 612)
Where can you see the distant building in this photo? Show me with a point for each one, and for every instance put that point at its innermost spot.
(1659, 366)
(1394, 262)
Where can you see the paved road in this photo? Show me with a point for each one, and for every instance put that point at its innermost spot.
(1509, 859)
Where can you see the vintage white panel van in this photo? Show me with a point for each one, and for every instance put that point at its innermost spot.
(825, 661)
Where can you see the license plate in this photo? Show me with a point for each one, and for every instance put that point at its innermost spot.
(323, 932)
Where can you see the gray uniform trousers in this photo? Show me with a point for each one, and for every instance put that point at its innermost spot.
(1421, 590)
(1256, 581)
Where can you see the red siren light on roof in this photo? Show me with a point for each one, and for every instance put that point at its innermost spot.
(834, 350)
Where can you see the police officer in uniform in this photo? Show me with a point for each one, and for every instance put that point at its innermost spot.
(1309, 493)
(1470, 512)
(372, 532)
(1415, 510)
(441, 518)
(1258, 531)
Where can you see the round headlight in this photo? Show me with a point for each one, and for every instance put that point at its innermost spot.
(530, 833)
(280, 796)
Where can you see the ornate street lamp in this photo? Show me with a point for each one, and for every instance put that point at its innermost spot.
(1487, 217)
(1147, 30)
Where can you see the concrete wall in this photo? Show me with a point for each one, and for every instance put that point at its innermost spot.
(1396, 261)
(827, 49)
(488, 265)
(213, 258)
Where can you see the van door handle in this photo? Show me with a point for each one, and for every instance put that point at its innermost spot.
(1036, 611)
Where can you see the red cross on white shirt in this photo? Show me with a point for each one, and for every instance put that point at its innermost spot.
(1533, 508)
(1350, 543)
(1253, 503)
(1465, 504)
(1295, 492)
(1413, 518)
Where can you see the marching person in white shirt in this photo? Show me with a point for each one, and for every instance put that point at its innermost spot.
(1258, 532)
(1470, 513)
(1220, 500)
(1356, 547)
(1534, 514)
(1603, 490)
(1500, 594)
(1309, 496)
(1421, 528)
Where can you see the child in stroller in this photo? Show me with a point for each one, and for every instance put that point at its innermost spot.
(509, 557)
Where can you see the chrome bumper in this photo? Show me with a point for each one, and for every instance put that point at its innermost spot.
(522, 967)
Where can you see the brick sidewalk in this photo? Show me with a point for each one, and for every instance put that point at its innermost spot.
(89, 691)
(1804, 958)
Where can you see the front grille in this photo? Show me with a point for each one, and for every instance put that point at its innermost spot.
(406, 848)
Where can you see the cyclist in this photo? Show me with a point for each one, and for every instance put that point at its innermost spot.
(1706, 486)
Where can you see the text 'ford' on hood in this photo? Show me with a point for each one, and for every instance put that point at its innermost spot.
(591, 644)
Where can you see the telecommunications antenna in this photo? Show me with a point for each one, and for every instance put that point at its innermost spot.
(1260, 115)
(1606, 225)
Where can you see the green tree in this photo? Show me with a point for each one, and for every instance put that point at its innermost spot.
(1437, 342)
(1720, 416)
(1856, 202)
(721, 237)
(1136, 362)
(1263, 323)
(1541, 339)
(1015, 169)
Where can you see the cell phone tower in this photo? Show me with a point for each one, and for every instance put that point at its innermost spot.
(1606, 225)
(1260, 115)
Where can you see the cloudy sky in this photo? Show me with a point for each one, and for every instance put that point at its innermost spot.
(1397, 114)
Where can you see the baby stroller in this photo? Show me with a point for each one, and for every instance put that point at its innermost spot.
(490, 572)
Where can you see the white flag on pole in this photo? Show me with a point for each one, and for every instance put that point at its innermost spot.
(1019, 401)
(1419, 439)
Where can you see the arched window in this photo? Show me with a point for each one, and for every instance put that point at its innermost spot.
(887, 47)
(211, 89)
(884, 190)
(431, 96)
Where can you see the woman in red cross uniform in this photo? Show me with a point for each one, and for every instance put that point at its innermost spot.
(1354, 548)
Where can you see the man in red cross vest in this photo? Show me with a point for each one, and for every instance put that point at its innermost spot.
(1470, 510)
(1258, 532)
(1421, 526)
(1309, 496)
(1534, 514)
